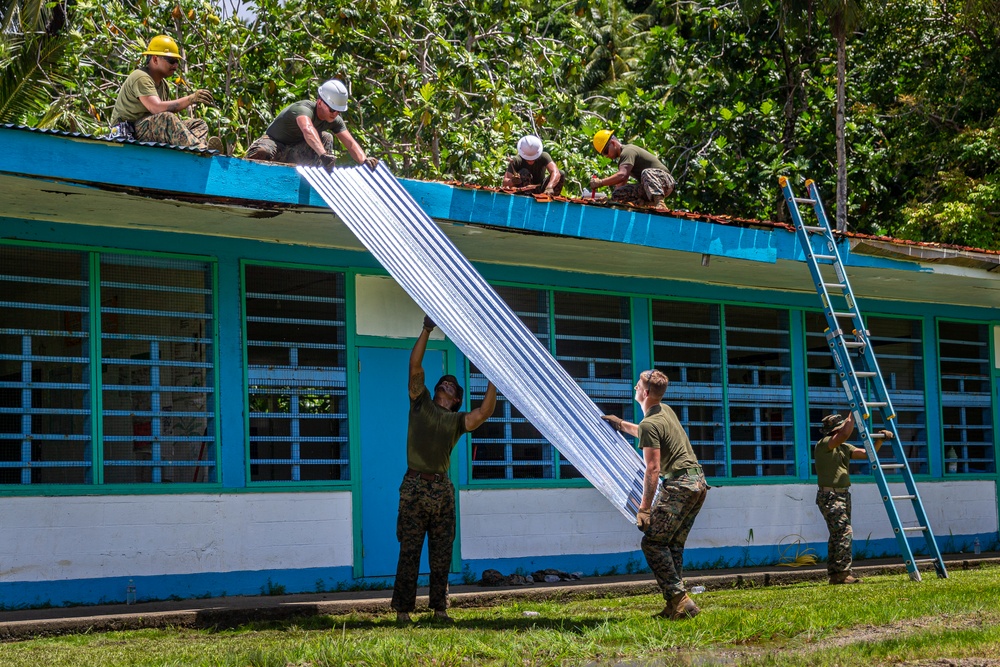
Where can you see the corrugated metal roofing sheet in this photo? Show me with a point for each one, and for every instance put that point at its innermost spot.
(418, 255)
(82, 135)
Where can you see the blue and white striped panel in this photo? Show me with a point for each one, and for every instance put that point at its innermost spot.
(417, 254)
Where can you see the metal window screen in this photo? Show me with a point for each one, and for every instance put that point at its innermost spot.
(157, 370)
(45, 398)
(966, 395)
(687, 347)
(758, 367)
(297, 379)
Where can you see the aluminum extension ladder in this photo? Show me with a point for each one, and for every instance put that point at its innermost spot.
(855, 364)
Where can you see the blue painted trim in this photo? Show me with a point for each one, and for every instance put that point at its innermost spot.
(932, 397)
(111, 590)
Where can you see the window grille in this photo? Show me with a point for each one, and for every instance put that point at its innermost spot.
(593, 342)
(758, 367)
(686, 346)
(45, 394)
(157, 330)
(966, 398)
(297, 375)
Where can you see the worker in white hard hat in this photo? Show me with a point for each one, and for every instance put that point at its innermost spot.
(144, 110)
(303, 132)
(533, 171)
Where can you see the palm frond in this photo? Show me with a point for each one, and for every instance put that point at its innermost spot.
(25, 87)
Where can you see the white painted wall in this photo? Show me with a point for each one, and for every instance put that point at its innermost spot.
(511, 523)
(48, 539)
(384, 309)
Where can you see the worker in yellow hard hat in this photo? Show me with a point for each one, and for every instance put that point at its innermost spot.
(304, 131)
(653, 180)
(144, 110)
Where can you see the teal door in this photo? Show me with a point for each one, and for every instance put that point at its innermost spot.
(385, 403)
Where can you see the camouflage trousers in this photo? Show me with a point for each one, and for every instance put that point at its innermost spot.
(525, 177)
(652, 183)
(426, 507)
(835, 506)
(267, 149)
(169, 128)
(676, 506)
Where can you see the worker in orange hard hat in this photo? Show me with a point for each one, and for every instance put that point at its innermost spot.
(144, 110)
(653, 180)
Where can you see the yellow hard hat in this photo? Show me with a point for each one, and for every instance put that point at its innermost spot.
(601, 140)
(162, 45)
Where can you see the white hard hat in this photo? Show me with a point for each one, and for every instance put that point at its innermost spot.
(334, 93)
(529, 147)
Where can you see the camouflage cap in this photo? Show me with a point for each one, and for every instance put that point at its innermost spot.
(832, 423)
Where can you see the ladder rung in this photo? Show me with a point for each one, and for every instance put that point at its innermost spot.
(914, 528)
(853, 343)
(836, 314)
(804, 200)
(891, 466)
(814, 229)
(904, 497)
(924, 561)
(829, 257)
(837, 285)
(865, 374)
(877, 404)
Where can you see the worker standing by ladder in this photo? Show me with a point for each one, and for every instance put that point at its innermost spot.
(859, 374)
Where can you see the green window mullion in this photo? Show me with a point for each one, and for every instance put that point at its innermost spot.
(96, 382)
(724, 360)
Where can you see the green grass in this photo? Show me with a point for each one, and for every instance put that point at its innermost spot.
(883, 621)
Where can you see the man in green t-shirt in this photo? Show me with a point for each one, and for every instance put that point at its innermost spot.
(653, 180)
(833, 457)
(144, 108)
(303, 132)
(533, 171)
(672, 466)
(427, 496)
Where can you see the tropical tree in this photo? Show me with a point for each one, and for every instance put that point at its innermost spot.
(32, 41)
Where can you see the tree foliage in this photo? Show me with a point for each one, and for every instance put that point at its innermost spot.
(728, 95)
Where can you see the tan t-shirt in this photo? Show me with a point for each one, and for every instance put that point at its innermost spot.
(138, 84)
(832, 467)
(661, 429)
(431, 434)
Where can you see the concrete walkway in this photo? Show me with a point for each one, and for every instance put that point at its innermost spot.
(233, 611)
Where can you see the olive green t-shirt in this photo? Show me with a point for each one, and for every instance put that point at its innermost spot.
(138, 84)
(640, 159)
(285, 128)
(660, 429)
(538, 170)
(832, 467)
(432, 434)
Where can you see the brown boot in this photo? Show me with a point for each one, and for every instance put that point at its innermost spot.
(658, 203)
(843, 578)
(679, 607)
(215, 144)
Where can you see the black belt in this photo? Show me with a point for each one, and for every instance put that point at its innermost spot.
(428, 476)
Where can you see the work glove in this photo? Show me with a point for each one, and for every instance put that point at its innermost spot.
(429, 323)
(614, 420)
(371, 162)
(887, 434)
(203, 96)
(642, 520)
(550, 192)
(328, 161)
